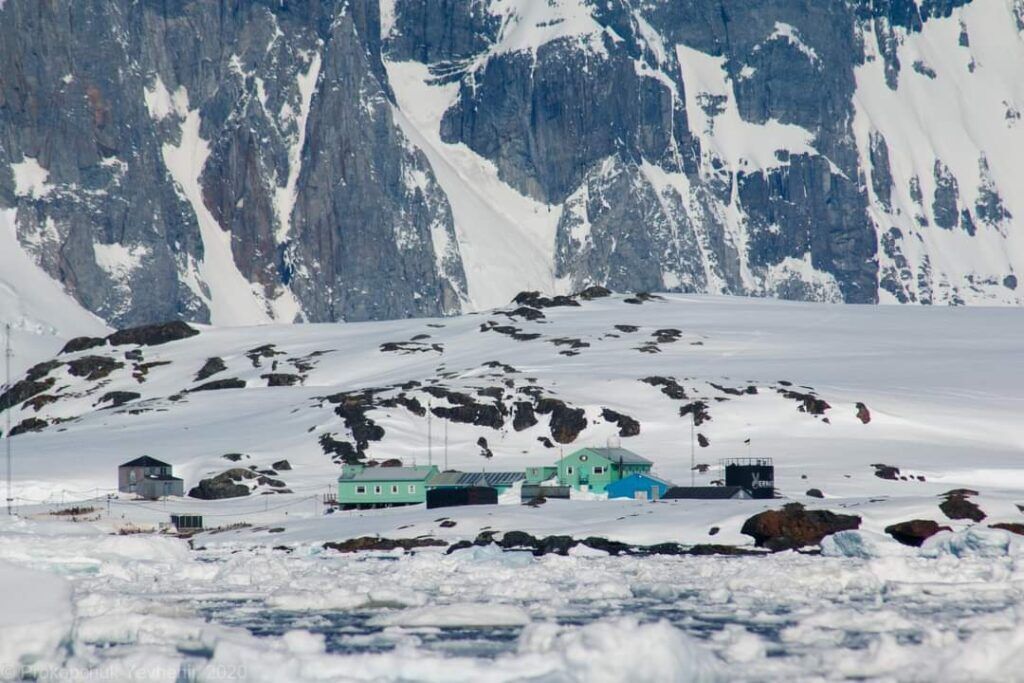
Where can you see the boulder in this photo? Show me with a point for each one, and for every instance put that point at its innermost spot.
(281, 379)
(282, 465)
(795, 527)
(224, 485)
(915, 531)
(153, 335)
(863, 414)
(886, 471)
(815, 493)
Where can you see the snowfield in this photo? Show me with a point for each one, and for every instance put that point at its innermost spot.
(260, 598)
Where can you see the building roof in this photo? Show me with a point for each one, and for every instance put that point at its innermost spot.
(704, 492)
(145, 461)
(643, 475)
(418, 473)
(623, 455)
(452, 478)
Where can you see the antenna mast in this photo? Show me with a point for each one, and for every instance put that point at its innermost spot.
(7, 413)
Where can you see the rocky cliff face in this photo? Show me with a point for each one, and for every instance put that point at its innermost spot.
(239, 162)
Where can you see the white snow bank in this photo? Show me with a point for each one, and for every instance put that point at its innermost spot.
(30, 179)
(35, 619)
(459, 614)
(972, 542)
(861, 544)
(619, 650)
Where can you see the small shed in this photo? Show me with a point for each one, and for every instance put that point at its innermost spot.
(149, 478)
(374, 487)
(755, 475)
(187, 522)
(705, 493)
(531, 491)
(639, 486)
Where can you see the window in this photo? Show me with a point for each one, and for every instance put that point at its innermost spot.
(394, 488)
(377, 489)
(570, 470)
(598, 469)
(412, 488)
(360, 490)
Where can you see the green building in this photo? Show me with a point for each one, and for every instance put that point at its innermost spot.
(591, 469)
(374, 487)
(539, 475)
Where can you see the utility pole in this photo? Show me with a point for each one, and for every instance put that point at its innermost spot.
(446, 445)
(430, 442)
(693, 452)
(7, 413)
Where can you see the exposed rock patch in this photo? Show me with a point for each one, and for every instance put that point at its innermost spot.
(82, 344)
(795, 527)
(153, 335)
(211, 367)
(218, 384)
(627, 425)
(93, 368)
(915, 531)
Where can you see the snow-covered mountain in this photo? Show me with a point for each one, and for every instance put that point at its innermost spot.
(238, 163)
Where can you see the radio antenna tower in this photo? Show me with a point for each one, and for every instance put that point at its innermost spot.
(7, 413)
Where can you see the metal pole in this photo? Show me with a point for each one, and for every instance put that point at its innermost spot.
(693, 453)
(7, 413)
(430, 444)
(446, 445)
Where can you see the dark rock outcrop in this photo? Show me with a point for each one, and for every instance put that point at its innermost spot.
(626, 424)
(211, 367)
(959, 506)
(153, 335)
(93, 368)
(863, 414)
(566, 423)
(795, 527)
(915, 531)
(82, 344)
(224, 485)
(218, 384)
(371, 543)
(32, 424)
(119, 398)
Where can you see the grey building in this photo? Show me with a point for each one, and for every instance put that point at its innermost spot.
(149, 478)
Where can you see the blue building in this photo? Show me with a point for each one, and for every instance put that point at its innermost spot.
(642, 486)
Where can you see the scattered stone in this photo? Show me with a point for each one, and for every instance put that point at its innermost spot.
(267, 351)
(795, 527)
(447, 524)
(915, 531)
(815, 493)
(713, 531)
(282, 465)
(863, 414)
(218, 384)
(484, 450)
(886, 471)
(153, 335)
(545, 441)
(211, 367)
(667, 335)
(703, 441)
(234, 457)
(627, 425)
(627, 328)
(669, 386)
(809, 403)
(82, 344)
